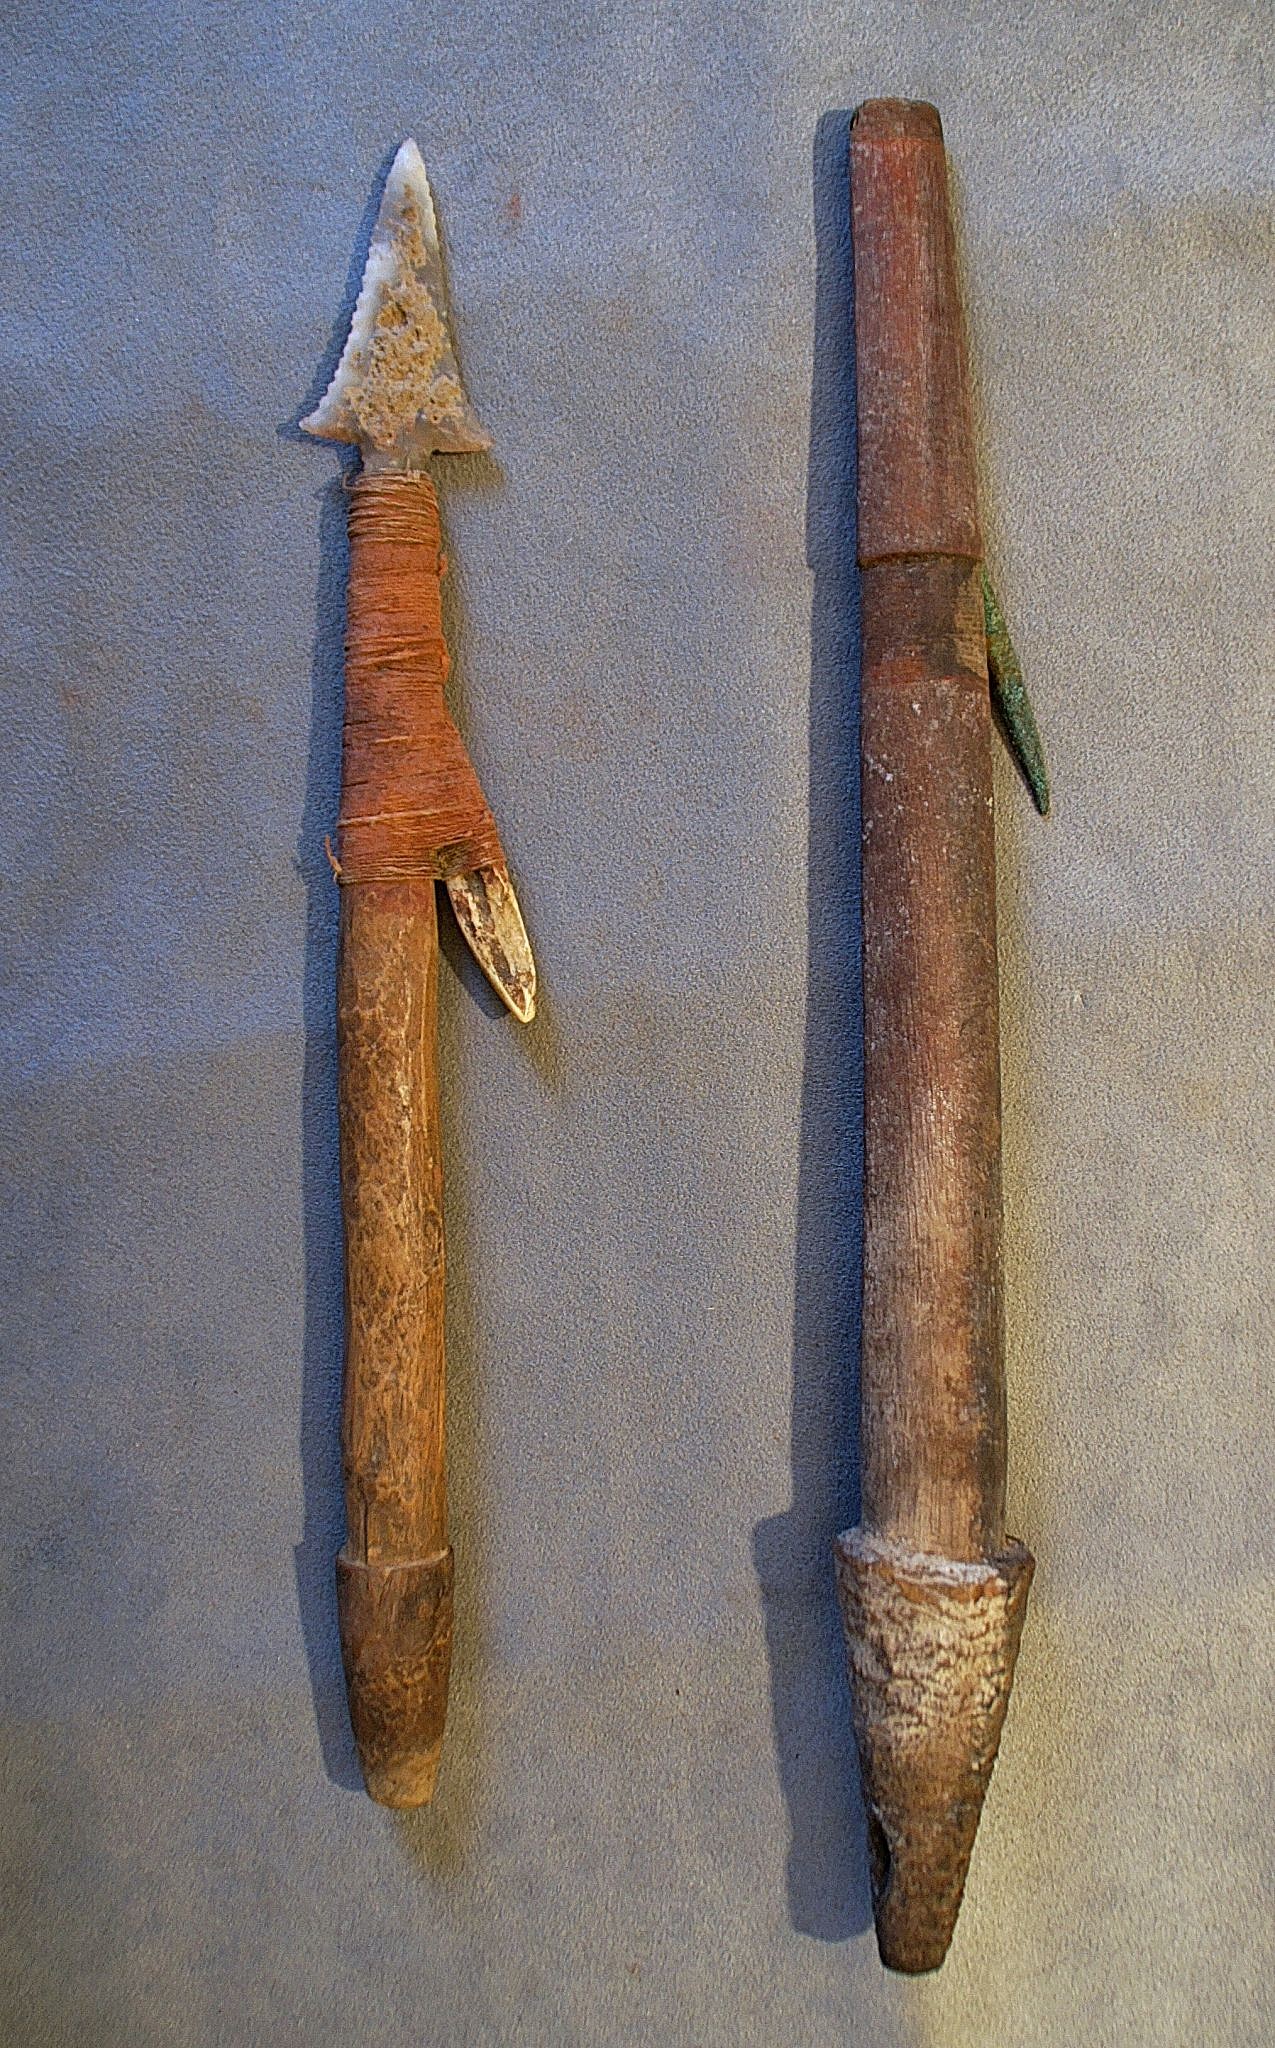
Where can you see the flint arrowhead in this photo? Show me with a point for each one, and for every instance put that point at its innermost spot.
(397, 389)
(931, 1645)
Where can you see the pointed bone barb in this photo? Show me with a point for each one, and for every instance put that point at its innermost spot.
(487, 912)
(931, 1645)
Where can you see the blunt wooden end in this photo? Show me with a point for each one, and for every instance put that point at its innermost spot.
(931, 1646)
(396, 1644)
(898, 121)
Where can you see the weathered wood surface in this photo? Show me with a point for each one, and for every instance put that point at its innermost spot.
(411, 810)
(932, 1592)
(394, 1576)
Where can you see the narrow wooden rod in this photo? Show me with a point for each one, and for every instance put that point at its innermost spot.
(392, 1185)
(406, 786)
(933, 1392)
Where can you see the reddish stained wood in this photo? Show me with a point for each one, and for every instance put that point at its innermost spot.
(933, 1391)
(933, 1382)
(917, 490)
(932, 1592)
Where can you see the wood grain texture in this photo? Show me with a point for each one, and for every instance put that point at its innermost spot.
(917, 488)
(392, 1193)
(395, 1573)
(932, 1384)
(396, 1646)
(932, 1593)
(411, 810)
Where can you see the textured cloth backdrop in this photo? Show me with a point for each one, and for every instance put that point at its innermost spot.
(648, 1827)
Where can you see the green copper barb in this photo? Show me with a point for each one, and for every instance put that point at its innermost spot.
(1009, 695)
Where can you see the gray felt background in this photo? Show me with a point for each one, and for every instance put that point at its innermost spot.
(648, 1827)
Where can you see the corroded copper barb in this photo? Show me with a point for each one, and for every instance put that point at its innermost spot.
(932, 1590)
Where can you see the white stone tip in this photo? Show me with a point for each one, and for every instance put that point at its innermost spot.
(397, 390)
(407, 173)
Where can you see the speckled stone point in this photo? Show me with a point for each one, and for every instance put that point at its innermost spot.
(932, 1591)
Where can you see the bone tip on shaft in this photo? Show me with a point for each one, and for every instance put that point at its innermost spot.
(932, 1646)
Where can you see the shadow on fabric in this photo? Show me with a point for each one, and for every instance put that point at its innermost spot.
(826, 1873)
(324, 1528)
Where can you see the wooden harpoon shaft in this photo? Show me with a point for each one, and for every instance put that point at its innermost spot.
(932, 1594)
(933, 1387)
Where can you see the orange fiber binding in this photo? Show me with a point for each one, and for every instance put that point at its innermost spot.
(411, 804)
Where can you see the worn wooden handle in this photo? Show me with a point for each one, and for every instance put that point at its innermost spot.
(411, 810)
(932, 1382)
(932, 1590)
(394, 1577)
(917, 481)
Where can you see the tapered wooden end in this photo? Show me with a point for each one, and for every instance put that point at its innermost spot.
(396, 1644)
(931, 1646)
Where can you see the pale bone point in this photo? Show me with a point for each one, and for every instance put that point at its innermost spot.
(931, 1645)
(487, 912)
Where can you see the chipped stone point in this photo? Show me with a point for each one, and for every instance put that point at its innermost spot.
(931, 1645)
(397, 389)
